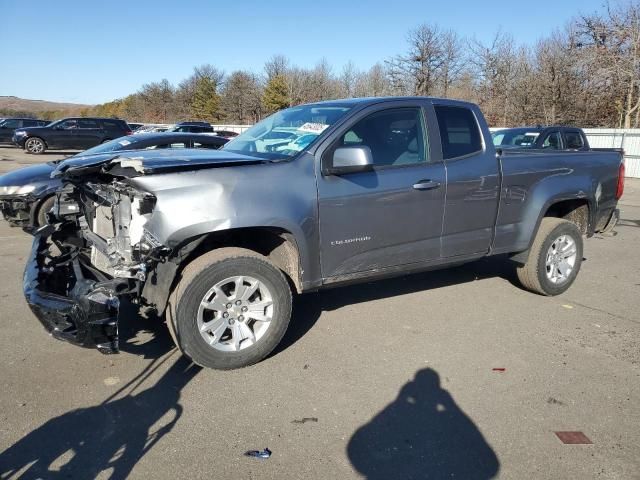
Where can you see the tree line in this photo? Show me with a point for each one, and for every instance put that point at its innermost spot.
(586, 74)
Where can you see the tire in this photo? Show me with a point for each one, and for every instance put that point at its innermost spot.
(227, 349)
(43, 209)
(537, 274)
(35, 145)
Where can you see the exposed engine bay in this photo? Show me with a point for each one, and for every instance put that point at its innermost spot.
(94, 250)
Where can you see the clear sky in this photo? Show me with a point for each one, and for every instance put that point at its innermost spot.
(92, 51)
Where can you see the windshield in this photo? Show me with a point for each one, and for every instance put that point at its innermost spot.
(516, 137)
(110, 146)
(287, 132)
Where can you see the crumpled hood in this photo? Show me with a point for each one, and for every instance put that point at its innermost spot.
(147, 162)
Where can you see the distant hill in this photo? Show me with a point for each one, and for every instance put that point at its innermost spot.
(37, 106)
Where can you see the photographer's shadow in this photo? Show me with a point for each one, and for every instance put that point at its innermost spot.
(110, 438)
(423, 434)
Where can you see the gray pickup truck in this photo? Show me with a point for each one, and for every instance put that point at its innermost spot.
(311, 197)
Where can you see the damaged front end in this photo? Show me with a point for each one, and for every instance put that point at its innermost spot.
(94, 251)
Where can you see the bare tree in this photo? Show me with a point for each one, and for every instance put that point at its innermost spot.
(348, 79)
(494, 66)
(452, 61)
(241, 98)
(276, 65)
(614, 40)
(421, 66)
(158, 98)
(587, 74)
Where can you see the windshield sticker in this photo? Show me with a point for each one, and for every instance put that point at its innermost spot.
(311, 127)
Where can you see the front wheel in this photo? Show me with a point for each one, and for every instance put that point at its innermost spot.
(554, 259)
(35, 145)
(43, 209)
(230, 309)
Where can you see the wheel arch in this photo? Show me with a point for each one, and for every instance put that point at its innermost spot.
(576, 209)
(35, 136)
(276, 244)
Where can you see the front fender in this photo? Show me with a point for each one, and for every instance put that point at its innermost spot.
(195, 203)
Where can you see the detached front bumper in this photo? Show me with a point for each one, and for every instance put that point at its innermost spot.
(70, 306)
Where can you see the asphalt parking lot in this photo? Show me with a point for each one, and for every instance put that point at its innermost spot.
(450, 374)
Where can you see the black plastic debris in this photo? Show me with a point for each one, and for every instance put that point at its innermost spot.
(305, 420)
(266, 453)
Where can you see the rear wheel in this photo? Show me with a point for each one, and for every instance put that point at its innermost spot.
(35, 145)
(554, 259)
(230, 309)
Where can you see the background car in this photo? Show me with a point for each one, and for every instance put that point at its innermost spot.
(27, 194)
(151, 129)
(135, 126)
(9, 125)
(226, 133)
(549, 138)
(193, 127)
(80, 133)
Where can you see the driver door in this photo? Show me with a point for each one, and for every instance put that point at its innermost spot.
(392, 214)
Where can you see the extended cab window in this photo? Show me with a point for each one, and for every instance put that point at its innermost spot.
(459, 132)
(395, 137)
(574, 140)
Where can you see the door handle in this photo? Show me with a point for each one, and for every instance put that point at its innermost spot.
(426, 185)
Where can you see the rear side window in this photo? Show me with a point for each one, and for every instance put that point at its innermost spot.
(112, 125)
(574, 140)
(12, 123)
(459, 132)
(84, 123)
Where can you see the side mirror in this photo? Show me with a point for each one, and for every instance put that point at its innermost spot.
(350, 160)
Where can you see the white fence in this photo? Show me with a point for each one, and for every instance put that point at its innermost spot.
(628, 139)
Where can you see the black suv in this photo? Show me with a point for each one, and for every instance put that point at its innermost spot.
(8, 125)
(192, 127)
(77, 133)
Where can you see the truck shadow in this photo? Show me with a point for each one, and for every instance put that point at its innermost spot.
(623, 222)
(110, 438)
(309, 307)
(422, 434)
